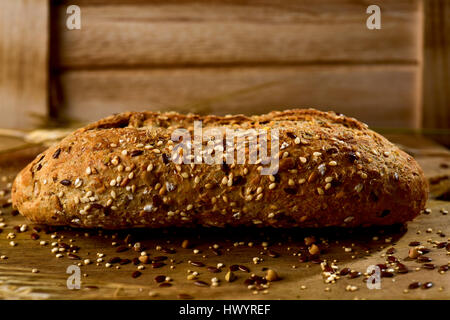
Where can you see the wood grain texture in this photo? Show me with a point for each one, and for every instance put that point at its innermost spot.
(436, 70)
(154, 33)
(378, 95)
(24, 50)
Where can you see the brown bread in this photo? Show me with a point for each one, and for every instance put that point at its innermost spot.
(333, 171)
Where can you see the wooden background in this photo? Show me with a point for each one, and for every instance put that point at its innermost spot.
(226, 57)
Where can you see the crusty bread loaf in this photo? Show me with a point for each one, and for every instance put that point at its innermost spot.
(117, 173)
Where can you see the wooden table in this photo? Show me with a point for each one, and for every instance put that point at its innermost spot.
(299, 280)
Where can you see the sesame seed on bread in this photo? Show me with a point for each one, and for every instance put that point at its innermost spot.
(117, 173)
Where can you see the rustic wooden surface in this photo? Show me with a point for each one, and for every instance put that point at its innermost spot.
(380, 95)
(24, 40)
(238, 56)
(436, 69)
(18, 282)
(174, 33)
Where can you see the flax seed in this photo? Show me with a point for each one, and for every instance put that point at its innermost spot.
(200, 283)
(312, 177)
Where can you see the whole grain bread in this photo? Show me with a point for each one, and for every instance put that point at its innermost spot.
(117, 173)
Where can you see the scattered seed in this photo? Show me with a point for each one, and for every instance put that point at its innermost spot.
(213, 269)
(344, 271)
(271, 275)
(230, 276)
(122, 248)
(124, 261)
(243, 268)
(72, 256)
(273, 254)
(158, 265)
(144, 259)
(402, 268)
(159, 258)
(197, 263)
(185, 296)
(414, 285)
(168, 250)
(185, 244)
(159, 279)
(234, 267)
(354, 274)
(165, 285)
(429, 266)
(392, 259)
(424, 259)
(114, 260)
(413, 253)
(443, 268)
(386, 274)
(200, 283)
(34, 236)
(391, 250)
(314, 249)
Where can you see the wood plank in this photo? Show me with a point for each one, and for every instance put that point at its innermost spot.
(154, 33)
(23, 61)
(379, 95)
(436, 70)
(433, 158)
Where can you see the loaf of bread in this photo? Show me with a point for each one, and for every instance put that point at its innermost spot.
(119, 173)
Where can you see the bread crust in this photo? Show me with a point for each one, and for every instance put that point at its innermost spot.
(352, 176)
